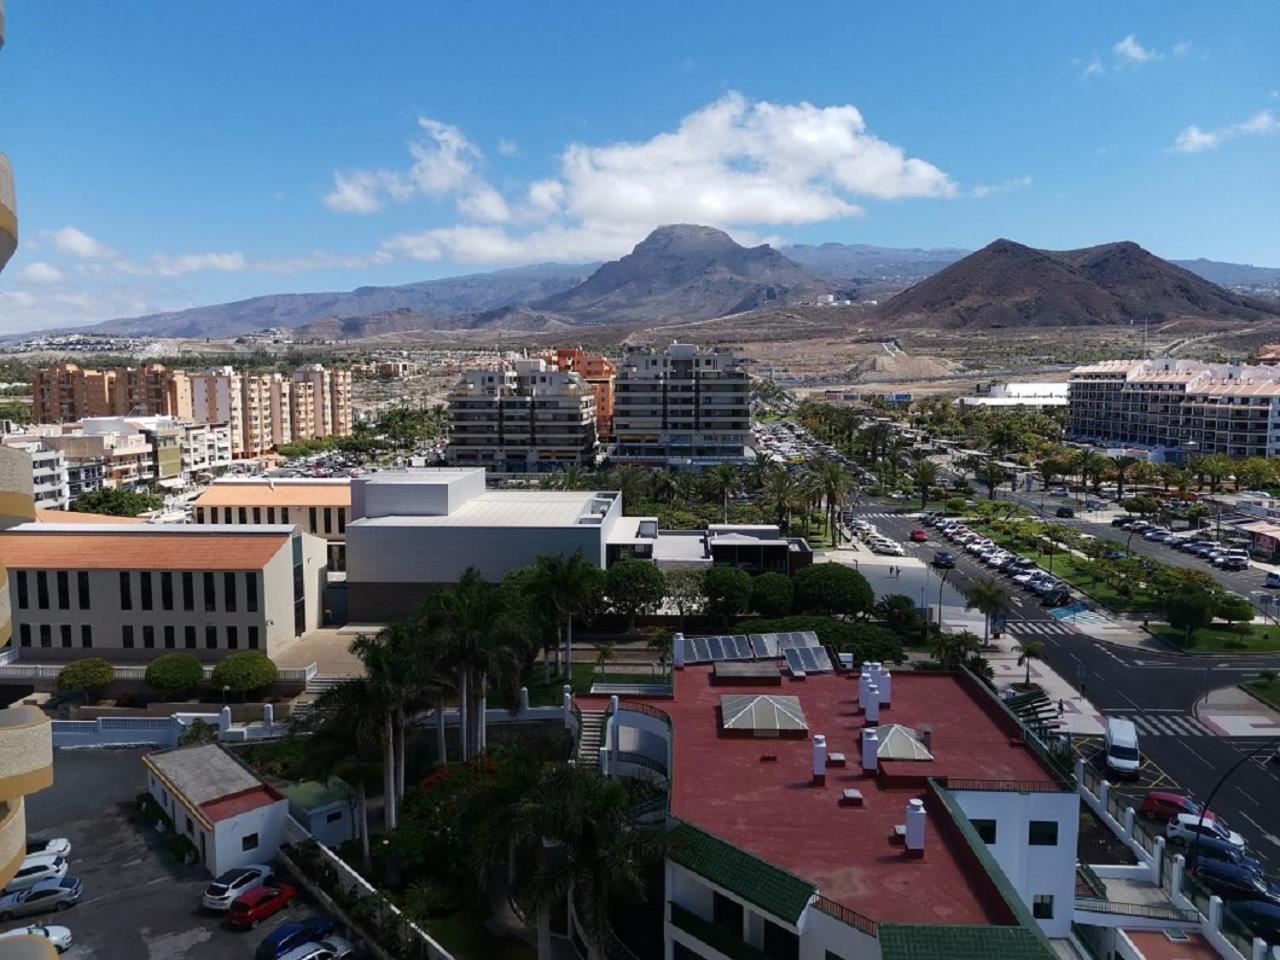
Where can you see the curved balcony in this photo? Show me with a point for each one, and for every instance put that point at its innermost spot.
(26, 752)
(13, 838)
(8, 206)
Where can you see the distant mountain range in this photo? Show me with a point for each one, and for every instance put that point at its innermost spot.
(685, 272)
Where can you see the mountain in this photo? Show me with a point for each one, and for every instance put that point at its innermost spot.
(1232, 274)
(850, 261)
(1006, 284)
(430, 299)
(687, 272)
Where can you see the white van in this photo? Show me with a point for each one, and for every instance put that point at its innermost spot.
(1123, 757)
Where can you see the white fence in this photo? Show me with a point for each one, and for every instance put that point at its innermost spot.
(160, 731)
(12, 669)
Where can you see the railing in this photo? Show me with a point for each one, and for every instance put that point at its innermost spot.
(12, 669)
(713, 935)
(642, 760)
(846, 916)
(1091, 879)
(635, 706)
(647, 808)
(1154, 911)
(1005, 786)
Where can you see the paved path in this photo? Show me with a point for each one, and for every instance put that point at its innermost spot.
(1235, 713)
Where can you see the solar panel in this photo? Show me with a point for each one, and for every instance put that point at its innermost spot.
(794, 663)
(798, 638)
(765, 645)
(741, 647)
(815, 660)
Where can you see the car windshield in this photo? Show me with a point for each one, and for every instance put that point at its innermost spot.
(1124, 753)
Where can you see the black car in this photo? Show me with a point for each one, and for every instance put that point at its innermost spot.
(1262, 918)
(1057, 597)
(1208, 848)
(1236, 882)
(1064, 513)
(944, 560)
(1119, 521)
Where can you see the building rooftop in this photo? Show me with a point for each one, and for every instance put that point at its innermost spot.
(126, 546)
(310, 794)
(1109, 366)
(771, 810)
(70, 517)
(500, 508)
(321, 492)
(1238, 388)
(210, 782)
(1158, 945)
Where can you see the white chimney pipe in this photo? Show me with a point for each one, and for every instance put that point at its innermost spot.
(871, 709)
(864, 681)
(819, 759)
(926, 737)
(870, 751)
(677, 650)
(915, 827)
(885, 683)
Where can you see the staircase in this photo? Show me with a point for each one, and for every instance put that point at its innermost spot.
(322, 682)
(591, 737)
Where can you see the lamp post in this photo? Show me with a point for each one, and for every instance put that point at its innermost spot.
(225, 690)
(1271, 744)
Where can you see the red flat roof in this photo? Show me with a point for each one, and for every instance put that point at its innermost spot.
(234, 804)
(772, 811)
(1154, 945)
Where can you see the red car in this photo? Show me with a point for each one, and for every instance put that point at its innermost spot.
(1164, 805)
(253, 906)
(918, 535)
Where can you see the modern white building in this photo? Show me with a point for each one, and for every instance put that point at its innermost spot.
(1034, 396)
(230, 816)
(49, 479)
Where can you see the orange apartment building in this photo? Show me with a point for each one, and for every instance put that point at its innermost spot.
(600, 373)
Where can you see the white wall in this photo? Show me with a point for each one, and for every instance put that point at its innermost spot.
(267, 822)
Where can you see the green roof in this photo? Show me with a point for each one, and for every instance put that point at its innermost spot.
(930, 942)
(310, 794)
(768, 887)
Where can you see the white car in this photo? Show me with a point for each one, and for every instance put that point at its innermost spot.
(60, 937)
(888, 549)
(331, 948)
(220, 894)
(56, 846)
(36, 868)
(1186, 826)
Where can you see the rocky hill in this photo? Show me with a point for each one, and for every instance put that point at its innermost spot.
(1006, 284)
(860, 261)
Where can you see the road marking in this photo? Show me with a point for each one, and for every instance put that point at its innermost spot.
(1271, 837)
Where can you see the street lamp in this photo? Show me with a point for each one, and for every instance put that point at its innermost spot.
(1271, 744)
(225, 690)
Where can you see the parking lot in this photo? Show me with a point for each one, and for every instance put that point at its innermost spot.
(138, 903)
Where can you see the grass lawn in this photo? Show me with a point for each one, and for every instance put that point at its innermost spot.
(584, 674)
(464, 935)
(1268, 690)
(1220, 638)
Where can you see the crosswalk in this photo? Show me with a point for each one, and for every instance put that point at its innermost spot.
(1039, 628)
(879, 516)
(1167, 724)
(1077, 613)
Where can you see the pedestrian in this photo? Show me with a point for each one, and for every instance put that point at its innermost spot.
(1062, 707)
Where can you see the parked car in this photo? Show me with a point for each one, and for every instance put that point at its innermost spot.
(331, 948)
(944, 560)
(919, 535)
(289, 936)
(55, 846)
(1184, 828)
(1235, 564)
(36, 868)
(1232, 882)
(1272, 581)
(251, 908)
(1119, 521)
(1058, 492)
(1263, 918)
(1154, 533)
(46, 895)
(1065, 513)
(220, 894)
(1210, 848)
(59, 937)
(1057, 597)
(1163, 805)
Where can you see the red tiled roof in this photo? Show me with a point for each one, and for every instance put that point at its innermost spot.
(1156, 946)
(148, 549)
(239, 493)
(68, 516)
(234, 804)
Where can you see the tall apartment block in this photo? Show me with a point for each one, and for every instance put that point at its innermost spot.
(67, 392)
(521, 417)
(681, 406)
(600, 373)
(217, 396)
(1177, 407)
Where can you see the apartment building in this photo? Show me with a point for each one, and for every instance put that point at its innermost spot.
(50, 487)
(67, 392)
(320, 507)
(84, 476)
(521, 417)
(217, 396)
(1177, 408)
(131, 592)
(599, 372)
(328, 404)
(681, 406)
(126, 455)
(281, 410)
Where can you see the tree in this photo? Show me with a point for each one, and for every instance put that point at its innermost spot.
(116, 502)
(899, 614)
(1029, 650)
(781, 494)
(630, 481)
(924, 474)
(832, 588)
(728, 592)
(772, 594)
(174, 675)
(572, 585)
(89, 676)
(243, 672)
(633, 587)
(685, 590)
(834, 482)
(1189, 610)
(1234, 609)
(991, 475)
(1253, 473)
(951, 650)
(987, 597)
(605, 651)
(723, 481)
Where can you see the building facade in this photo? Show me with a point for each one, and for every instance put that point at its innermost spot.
(521, 417)
(599, 372)
(681, 406)
(67, 392)
(49, 482)
(320, 507)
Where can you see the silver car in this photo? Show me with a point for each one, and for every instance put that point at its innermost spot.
(220, 894)
(60, 937)
(47, 895)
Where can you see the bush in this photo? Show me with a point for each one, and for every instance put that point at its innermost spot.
(832, 588)
(728, 591)
(116, 502)
(772, 594)
(183, 849)
(244, 671)
(1234, 609)
(89, 676)
(174, 674)
(866, 641)
(633, 587)
(954, 505)
(198, 731)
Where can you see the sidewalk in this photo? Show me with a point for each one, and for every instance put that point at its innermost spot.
(1233, 713)
(1079, 717)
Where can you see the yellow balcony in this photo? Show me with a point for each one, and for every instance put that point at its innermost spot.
(26, 752)
(8, 206)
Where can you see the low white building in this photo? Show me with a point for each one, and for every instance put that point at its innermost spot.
(1032, 395)
(230, 816)
(326, 810)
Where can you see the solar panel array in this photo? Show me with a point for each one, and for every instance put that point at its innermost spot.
(754, 646)
(808, 660)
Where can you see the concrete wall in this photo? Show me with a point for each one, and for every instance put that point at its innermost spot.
(420, 493)
(267, 822)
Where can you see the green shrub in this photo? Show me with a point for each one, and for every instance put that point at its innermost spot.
(90, 675)
(832, 588)
(866, 641)
(772, 595)
(244, 671)
(174, 674)
(728, 591)
(954, 505)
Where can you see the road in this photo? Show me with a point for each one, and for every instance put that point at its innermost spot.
(1147, 684)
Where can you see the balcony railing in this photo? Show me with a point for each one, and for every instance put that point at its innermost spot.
(713, 935)
(1154, 911)
(850, 917)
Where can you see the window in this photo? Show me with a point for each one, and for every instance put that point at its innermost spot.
(64, 632)
(780, 942)
(333, 817)
(169, 641)
(226, 514)
(189, 637)
(244, 514)
(328, 520)
(210, 598)
(233, 638)
(250, 842)
(64, 590)
(149, 637)
(188, 590)
(82, 588)
(42, 590)
(211, 637)
(1043, 833)
(313, 519)
(253, 638)
(251, 592)
(986, 830)
(1042, 906)
(257, 514)
(726, 913)
(23, 601)
(166, 591)
(271, 514)
(126, 597)
(24, 634)
(126, 636)
(229, 591)
(144, 580)
(86, 635)
(342, 519)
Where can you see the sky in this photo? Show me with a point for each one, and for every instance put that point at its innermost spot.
(174, 154)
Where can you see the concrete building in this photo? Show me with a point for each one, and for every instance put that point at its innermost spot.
(67, 392)
(124, 452)
(1177, 408)
(217, 396)
(326, 810)
(319, 506)
(84, 476)
(130, 592)
(326, 409)
(281, 410)
(521, 417)
(681, 406)
(599, 372)
(229, 815)
(49, 483)
(1033, 396)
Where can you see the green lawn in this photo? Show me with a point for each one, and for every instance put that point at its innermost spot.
(1220, 638)
(585, 673)
(1268, 690)
(464, 935)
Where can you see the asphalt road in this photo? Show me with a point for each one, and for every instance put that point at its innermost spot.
(1136, 682)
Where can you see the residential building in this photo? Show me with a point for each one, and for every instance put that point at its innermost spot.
(50, 488)
(124, 451)
(1034, 396)
(681, 406)
(302, 411)
(328, 407)
(206, 449)
(520, 417)
(130, 592)
(217, 396)
(84, 475)
(320, 507)
(599, 372)
(151, 390)
(281, 410)
(66, 392)
(1177, 408)
(326, 810)
(231, 817)
(255, 419)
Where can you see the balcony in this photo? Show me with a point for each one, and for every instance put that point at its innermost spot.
(8, 205)
(26, 752)
(714, 936)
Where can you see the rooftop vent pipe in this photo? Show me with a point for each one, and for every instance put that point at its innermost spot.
(915, 828)
(819, 760)
(870, 750)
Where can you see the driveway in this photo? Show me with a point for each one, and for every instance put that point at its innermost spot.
(139, 903)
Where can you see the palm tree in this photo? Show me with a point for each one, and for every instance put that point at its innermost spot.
(570, 477)
(1029, 650)
(1121, 466)
(781, 495)
(835, 484)
(952, 649)
(384, 681)
(605, 650)
(571, 585)
(722, 480)
(987, 597)
(991, 475)
(663, 486)
(756, 471)
(630, 481)
(924, 474)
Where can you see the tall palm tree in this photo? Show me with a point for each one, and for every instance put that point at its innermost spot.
(781, 495)
(384, 681)
(991, 475)
(631, 481)
(1121, 466)
(756, 471)
(924, 474)
(571, 585)
(835, 482)
(1029, 650)
(987, 597)
(723, 481)
(662, 486)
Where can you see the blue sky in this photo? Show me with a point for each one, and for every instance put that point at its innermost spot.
(171, 154)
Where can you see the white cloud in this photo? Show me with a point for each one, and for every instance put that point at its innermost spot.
(1014, 183)
(1129, 50)
(508, 148)
(1181, 48)
(735, 164)
(1195, 140)
(1094, 67)
(74, 241)
(41, 272)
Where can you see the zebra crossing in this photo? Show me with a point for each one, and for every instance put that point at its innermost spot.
(1039, 628)
(1166, 724)
(878, 516)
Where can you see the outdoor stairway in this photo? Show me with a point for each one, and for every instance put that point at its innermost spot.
(322, 682)
(591, 737)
